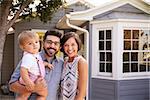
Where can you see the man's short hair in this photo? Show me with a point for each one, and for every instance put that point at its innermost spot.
(54, 33)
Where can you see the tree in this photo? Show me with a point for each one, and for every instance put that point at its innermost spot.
(21, 9)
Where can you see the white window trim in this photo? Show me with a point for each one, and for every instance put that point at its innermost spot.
(117, 25)
(95, 51)
(135, 75)
(140, 25)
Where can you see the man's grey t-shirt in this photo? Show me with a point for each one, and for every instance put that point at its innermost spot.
(52, 77)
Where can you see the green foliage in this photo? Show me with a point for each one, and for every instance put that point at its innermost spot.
(46, 8)
(43, 11)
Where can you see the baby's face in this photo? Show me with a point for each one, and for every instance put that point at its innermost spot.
(32, 45)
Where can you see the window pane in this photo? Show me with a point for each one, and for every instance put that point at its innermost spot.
(149, 40)
(108, 34)
(127, 34)
(144, 34)
(135, 45)
(102, 56)
(141, 56)
(134, 67)
(142, 67)
(143, 40)
(149, 66)
(125, 56)
(134, 56)
(105, 54)
(102, 67)
(108, 56)
(108, 67)
(127, 45)
(145, 46)
(126, 67)
(135, 34)
(101, 45)
(108, 45)
(101, 35)
(146, 55)
(139, 41)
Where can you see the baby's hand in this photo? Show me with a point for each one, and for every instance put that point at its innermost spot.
(48, 65)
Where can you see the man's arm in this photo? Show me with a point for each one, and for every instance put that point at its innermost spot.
(17, 87)
(14, 85)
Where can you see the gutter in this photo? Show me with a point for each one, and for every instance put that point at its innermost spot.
(83, 30)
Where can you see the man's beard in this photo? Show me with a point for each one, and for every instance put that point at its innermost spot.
(50, 52)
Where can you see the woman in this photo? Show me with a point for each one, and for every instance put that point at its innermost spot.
(75, 71)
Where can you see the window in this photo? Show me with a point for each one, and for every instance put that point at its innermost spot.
(136, 55)
(105, 53)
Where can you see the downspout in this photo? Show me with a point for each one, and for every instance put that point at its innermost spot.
(85, 46)
(86, 35)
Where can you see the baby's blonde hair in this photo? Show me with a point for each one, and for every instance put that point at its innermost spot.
(25, 35)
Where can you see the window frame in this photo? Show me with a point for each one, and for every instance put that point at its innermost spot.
(117, 26)
(95, 54)
(135, 74)
(105, 51)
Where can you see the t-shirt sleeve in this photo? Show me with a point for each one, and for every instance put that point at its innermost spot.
(27, 61)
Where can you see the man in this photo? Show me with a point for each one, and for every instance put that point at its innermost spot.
(51, 45)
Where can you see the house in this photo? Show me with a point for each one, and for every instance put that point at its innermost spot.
(12, 52)
(117, 47)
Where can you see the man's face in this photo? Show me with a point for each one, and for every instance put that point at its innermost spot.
(51, 45)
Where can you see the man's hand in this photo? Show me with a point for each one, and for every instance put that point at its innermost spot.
(40, 84)
(18, 88)
(30, 86)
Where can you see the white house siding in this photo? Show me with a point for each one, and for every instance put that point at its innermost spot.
(108, 89)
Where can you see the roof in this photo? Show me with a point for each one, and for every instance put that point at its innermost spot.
(81, 2)
(78, 18)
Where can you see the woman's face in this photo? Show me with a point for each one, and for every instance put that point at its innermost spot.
(71, 47)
